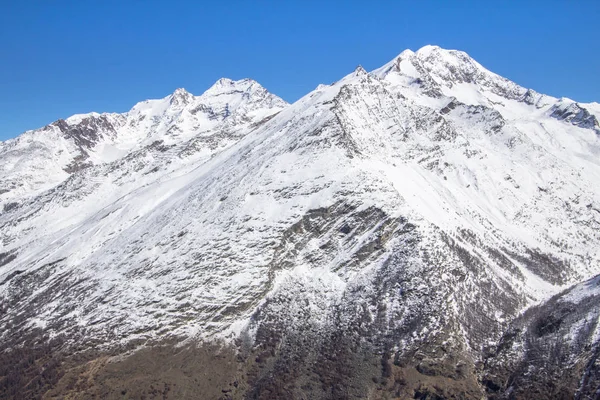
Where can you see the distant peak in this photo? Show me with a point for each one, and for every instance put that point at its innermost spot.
(406, 54)
(224, 82)
(181, 97)
(435, 58)
(360, 71)
(181, 92)
(441, 54)
(77, 118)
(427, 50)
(226, 85)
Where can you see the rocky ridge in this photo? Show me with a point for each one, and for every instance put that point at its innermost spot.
(397, 233)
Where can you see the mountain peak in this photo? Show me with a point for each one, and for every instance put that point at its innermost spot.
(223, 82)
(181, 97)
(437, 55)
(227, 86)
(181, 92)
(427, 50)
(230, 91)
(406, 54)
(359, 70)
(77, 118)
(226, 82)
(430, 58)
(438, 71)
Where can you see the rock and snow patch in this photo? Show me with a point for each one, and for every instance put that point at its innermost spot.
(188, 214)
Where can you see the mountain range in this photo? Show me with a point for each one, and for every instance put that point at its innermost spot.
(426, 230)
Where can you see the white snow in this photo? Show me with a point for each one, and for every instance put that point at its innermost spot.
(183, 210)
(583, 291)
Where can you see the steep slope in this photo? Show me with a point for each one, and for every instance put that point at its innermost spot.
(379, 233)
(551, 351)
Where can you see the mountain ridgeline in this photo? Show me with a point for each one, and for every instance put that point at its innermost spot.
(426, 230)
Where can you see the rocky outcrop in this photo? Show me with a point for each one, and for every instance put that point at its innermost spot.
(551, 351)
(574, 114)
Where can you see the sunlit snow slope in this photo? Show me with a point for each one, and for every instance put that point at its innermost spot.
(431, 198)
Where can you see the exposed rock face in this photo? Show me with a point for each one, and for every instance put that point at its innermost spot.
(379, 238)
(575, 114)
(551, 351)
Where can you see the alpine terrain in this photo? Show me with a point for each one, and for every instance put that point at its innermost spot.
(426, 230)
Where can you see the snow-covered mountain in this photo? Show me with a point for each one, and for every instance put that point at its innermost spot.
(41, 159)
(375, 238)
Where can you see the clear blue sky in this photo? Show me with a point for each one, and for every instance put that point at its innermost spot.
(59, 58)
